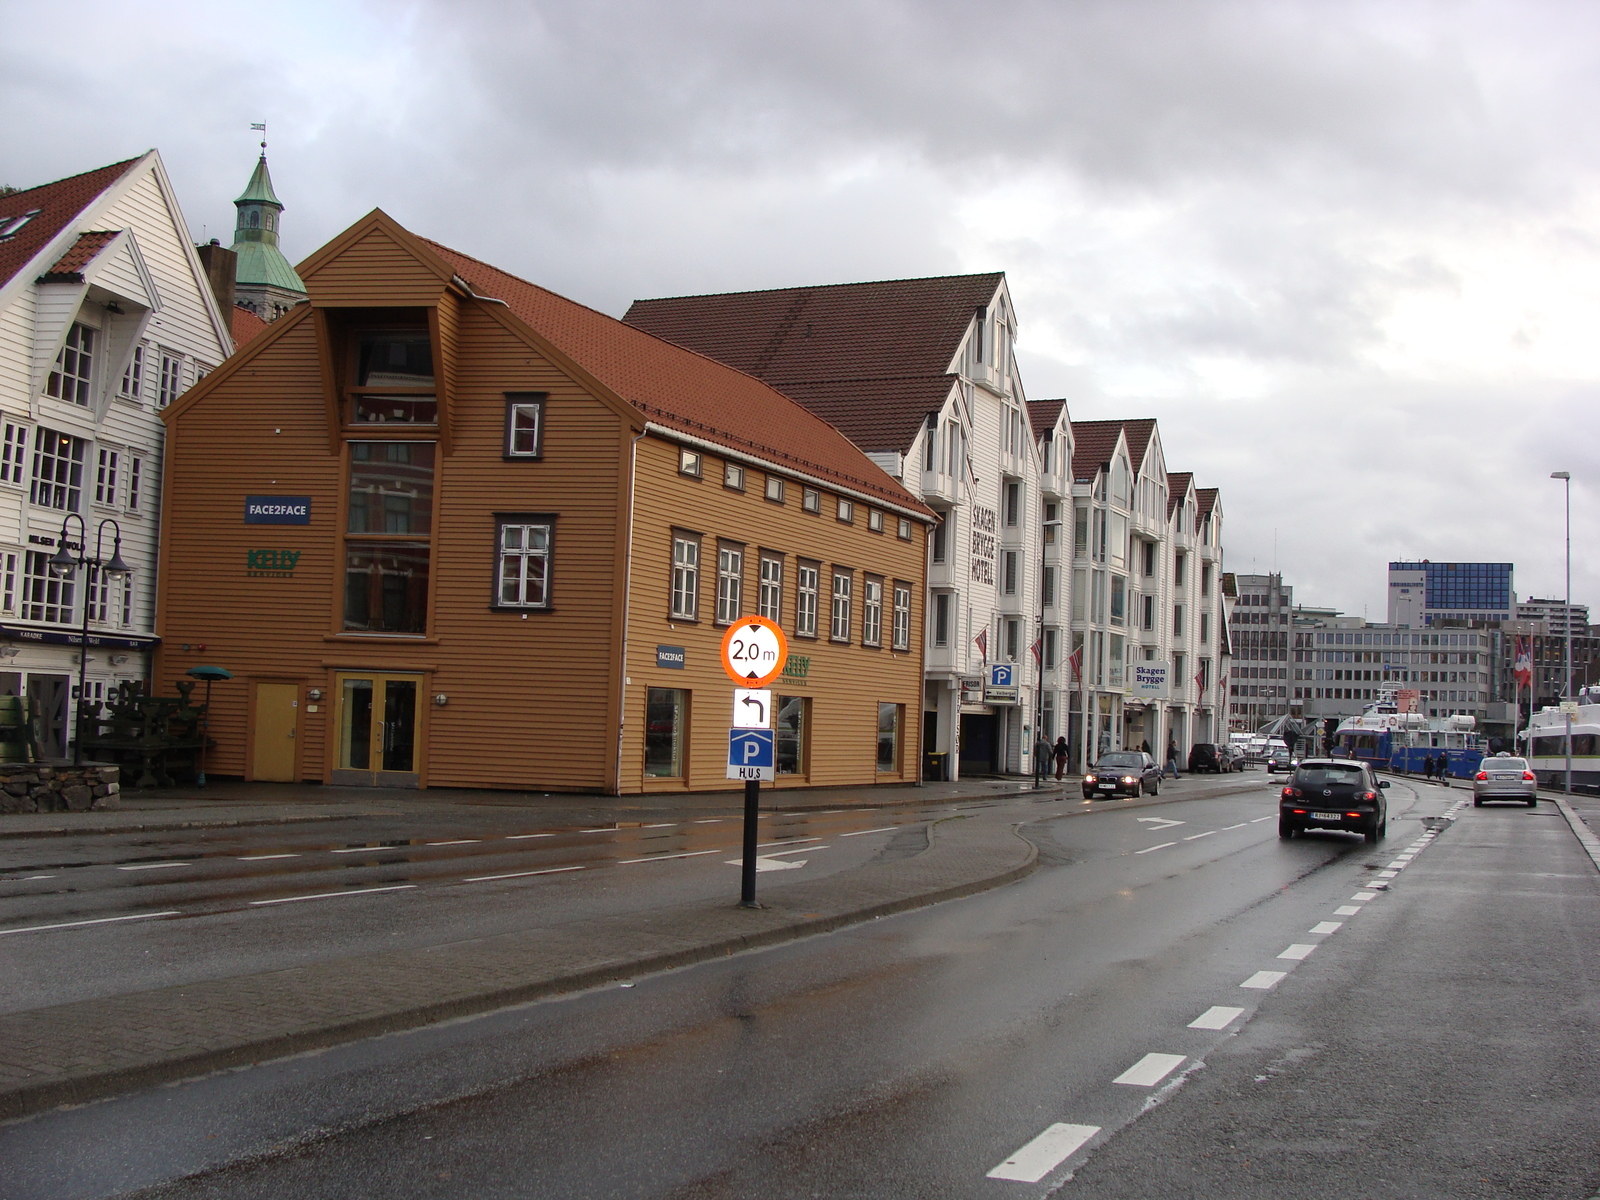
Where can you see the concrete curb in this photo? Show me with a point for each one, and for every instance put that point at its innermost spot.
(1581, 831)
(146, 1031)
(171, 826)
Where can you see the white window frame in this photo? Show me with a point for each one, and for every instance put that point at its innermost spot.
(169, 380)
(14, 454)
(841, 595)
(730, 582)
(57, 476)
(528, 589)
(107, 461)
(900, 630)
(132, 385)
(685, 592)
(871, 611)
(72, 377)
(769, 594)
(808, 584)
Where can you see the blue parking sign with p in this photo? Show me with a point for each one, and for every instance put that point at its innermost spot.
(752, 754)
(1002, 674)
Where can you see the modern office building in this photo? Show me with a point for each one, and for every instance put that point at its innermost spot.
(1260, 631)
(1558, 616)
(1423, 593)
(1342, 664)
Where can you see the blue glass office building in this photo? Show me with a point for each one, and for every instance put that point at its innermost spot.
(1421, 593)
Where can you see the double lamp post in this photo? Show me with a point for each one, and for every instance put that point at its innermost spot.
(97, 582)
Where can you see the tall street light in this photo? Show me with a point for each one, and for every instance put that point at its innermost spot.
(63, 565)
(1566, 694)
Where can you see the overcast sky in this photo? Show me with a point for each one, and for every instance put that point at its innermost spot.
(1347, 253)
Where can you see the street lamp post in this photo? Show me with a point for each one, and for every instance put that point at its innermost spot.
(1566, 694)
(62, 566)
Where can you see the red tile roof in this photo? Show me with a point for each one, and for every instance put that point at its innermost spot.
(682, 390)
(244, 325)
(1093, 443)
(59, 203)
(1139, 431)
(69, 267)
(1042, 415)
(1206, 501)
(870, 357)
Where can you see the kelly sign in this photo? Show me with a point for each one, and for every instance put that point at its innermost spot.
(277, 510)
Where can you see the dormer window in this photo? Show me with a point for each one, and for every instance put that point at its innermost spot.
(70, 378)
(393, 378)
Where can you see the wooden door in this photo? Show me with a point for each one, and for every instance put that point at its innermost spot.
(275, 735)
(47, 697)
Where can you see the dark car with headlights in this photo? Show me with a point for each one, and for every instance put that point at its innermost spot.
(1333, 793)
(1122, 773)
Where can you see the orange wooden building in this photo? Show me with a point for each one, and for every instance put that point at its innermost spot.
(448, 528)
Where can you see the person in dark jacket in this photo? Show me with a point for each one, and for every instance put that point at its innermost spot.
(1427, 768)
(1042, 754)
(1062, 753)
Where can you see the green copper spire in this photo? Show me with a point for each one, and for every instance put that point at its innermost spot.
(264, 281)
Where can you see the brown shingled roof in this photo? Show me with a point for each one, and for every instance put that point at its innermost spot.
(1042, 415)
(682, 390)
(1139, 431)
(244, 325)
(1177, 488)
(59, 203)
(1206, 500)
(1093, 443)
(869, 357)
(69, 267)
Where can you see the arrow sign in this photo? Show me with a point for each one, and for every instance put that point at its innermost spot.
(752, 709)
(754, 651)
(1156, 823)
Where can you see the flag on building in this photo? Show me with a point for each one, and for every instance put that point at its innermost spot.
(1524, 664)
(983, 644)
(1038, 651)
(1076, 659)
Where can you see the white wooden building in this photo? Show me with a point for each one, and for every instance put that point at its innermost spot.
(106, 317)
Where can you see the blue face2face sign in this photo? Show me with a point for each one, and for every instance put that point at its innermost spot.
(277, 510)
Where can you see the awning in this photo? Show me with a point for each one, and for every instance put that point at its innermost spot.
(73, 637)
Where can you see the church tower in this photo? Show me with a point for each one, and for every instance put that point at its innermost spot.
(265, 283)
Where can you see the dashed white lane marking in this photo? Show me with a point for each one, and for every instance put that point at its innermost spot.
(710, 820)
(152, 866)
(1218, 1016)
(880, 829)
(600, 829)
(518, 874)
(1297, 951)
(1150, 1070)
(828, 812)
(1193, 836)
(624, 862)
(364, 849)
(456, 842)
(1347, 910)
(522, 837)
(1045, 1153)
(1240, 825)
(1399, 864)
(394, 887)
(1388, 874)
(1265, 979)
(1326, 926)
(797, 850)
(26, 878)
(1162, 846)
(662, 825)
(788, 842)
(1365, 896)
(97, 921)
(264, 857)
(1258, 820)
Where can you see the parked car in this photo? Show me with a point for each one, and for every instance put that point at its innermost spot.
(1204, 756)
(1334, 793)
(1505, 778)
(1122, 773)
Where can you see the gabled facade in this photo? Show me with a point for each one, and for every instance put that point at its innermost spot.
(484, 536)
(920, 373)
(106, 318)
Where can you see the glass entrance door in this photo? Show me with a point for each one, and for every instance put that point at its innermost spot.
(377, 721)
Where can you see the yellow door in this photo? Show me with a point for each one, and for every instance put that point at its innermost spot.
(377, 720)
(277, 706)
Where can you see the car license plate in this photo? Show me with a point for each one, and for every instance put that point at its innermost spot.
(1327, 816)
(1110, 787)
(1503, 778)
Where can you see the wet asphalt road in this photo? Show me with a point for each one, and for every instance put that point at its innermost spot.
(1434, 1038)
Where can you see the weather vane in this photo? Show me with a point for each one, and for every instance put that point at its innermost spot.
(262, 126)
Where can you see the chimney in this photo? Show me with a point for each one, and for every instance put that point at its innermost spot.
(221, 264)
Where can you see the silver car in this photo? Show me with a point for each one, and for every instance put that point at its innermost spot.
(1505, 778)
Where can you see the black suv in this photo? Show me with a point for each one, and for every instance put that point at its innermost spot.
(1203, 756)
(1334, 793)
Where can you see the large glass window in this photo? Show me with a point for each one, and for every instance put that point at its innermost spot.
(769, 602)
(888, 738)
(387, 554)
(871, 611)
(941, 618)
(57, 470)
(1119, 600)
(133, 375)
(790, 728)
(44, 597)
(664, 729)
(394, 378)
(902, 616)
(71, 376)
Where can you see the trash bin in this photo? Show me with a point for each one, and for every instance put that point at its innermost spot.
(933, 766)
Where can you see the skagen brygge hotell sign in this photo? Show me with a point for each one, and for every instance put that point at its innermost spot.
(277, 510)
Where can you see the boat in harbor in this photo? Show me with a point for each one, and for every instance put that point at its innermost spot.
(1390, 735)
(1544, 743)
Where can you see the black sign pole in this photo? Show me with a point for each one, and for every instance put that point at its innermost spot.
(752, 818)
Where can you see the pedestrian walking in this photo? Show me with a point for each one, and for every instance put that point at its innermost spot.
(1043, 752)
(1145, 745)
(1172, 759)
(1443, 767)
(1427, 768)
(1063, 752)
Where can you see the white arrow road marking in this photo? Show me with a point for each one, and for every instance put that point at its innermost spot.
(1045, 1153)
(1159, 822)
(771, 862)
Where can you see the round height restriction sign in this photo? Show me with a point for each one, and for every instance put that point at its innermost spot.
(754, 651)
